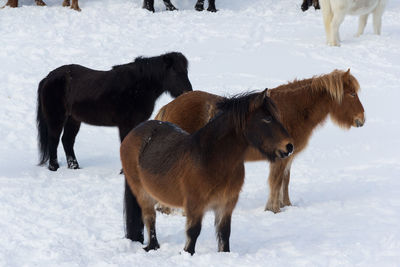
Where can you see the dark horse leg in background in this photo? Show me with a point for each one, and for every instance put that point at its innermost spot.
(149, 5)
(200, 5)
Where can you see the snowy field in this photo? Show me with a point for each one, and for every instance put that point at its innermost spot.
(345, 187)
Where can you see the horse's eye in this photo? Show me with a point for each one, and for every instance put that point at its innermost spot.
(268, 119)
(353, 94)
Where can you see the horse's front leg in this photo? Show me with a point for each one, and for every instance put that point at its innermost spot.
(275, 179)
(169, 6)
(222, 223)
(335, 24)
(327, 17)
(284, 194)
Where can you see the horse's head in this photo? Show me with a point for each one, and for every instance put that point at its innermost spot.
(176, 80)
(347, 110)
(264, 131)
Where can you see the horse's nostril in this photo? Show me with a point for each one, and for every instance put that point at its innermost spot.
(289, 148)
(359, 123)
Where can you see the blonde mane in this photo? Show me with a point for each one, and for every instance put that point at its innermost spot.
(334, 83)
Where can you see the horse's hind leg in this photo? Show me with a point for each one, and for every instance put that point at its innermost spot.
(222, 223)
(362, 21)
(211, 6)
(194, 216)
(377, 16)
(71, 129)
(54, 139)
(147, 203)
(199, 5)
(149, 5)
(169, 6)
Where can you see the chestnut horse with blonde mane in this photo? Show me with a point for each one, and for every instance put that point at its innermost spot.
(302, 104)
(199, 171)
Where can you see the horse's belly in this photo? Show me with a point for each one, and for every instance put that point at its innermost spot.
(164, 189)
(361, 7)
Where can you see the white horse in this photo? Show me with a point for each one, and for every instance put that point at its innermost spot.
(334, 11)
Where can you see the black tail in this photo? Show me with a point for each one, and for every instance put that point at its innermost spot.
(42, 128)
(133, 216)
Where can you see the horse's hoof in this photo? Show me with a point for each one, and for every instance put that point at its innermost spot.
(153, 246)
(40, 3)
(212, 9)
(53, 167)
(171, 8)
(66, 3)
(137, 237)
(273, 208)
(199, 7)
(73, 165)
(76, 8)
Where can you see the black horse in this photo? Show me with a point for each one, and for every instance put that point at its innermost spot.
(123, 96)
(307, 3)
(149, 5)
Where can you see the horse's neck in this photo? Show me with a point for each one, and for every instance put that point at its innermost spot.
(302, 110)
(217, 142)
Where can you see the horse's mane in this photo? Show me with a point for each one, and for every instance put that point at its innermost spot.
(333, 83)
(237, 108)
(158, 63)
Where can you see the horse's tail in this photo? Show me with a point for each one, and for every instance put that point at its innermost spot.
(133, 216)
(42, 127)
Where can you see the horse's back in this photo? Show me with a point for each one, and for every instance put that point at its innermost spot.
(157, 145)
(190, 111)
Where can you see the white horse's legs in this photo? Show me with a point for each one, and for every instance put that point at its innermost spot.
(362, 21)
(377, 16)
(335, 24)
(327, 16)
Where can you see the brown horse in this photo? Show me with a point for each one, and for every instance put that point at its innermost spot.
(75, 6)
(199, 171)
(303, 105)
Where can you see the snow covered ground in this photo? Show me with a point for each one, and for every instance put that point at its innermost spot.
(345, 187)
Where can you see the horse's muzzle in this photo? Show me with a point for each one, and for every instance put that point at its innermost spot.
(359, 122)
(283, 154)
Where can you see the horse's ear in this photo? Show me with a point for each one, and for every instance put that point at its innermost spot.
(168, 60)
(346, 75)
(267, 93)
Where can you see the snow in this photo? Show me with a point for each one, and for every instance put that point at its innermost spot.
(344, 187)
